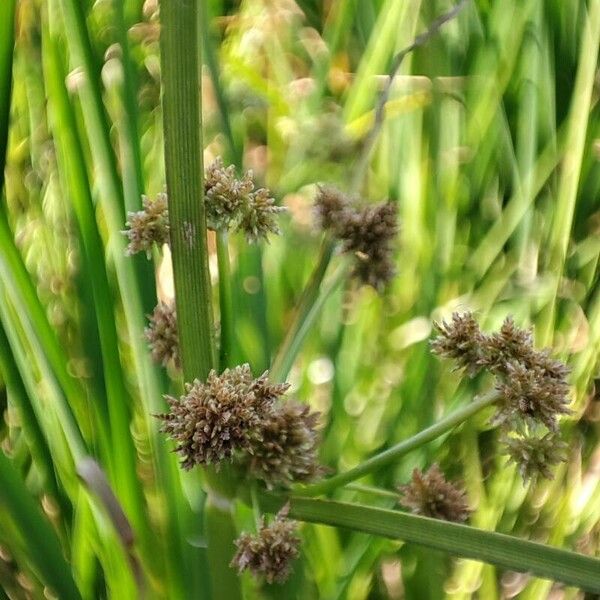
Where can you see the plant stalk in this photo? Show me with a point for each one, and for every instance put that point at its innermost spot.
(180, 64)
(291, 343)
(391, 454)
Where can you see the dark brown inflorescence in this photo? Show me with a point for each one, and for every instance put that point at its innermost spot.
(148, 226)
(234, 204)
(214, 420)
(161, 334)
(528, 395)
(536, 455)
(287, 449)
(234, 416)
(331, 207)
(462, 341)
(367, 232)
(270, 552)
(532, 386)
(431, 495)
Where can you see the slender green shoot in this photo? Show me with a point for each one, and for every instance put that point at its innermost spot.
(392, 454)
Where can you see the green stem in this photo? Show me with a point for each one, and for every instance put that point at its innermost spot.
(220, 533)
(373, 491)
(306, 310)
(225, 302)
(7, 42)
(183, 162)
(391, 454)
(458, 540)
(180, 65)
(212, 61)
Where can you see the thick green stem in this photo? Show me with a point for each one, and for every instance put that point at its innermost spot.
(391, 454)
(220, 533)
(180, 60)
(225, 302)
(183, 162)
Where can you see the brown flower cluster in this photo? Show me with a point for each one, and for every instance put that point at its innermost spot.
(161, 334)
(270, 552)
(536, 455)
(231, 204)
(148, 226)
(213, 420)
(234, 416)
(532, 386)
(234, 204)
(287, 451)
(461, 340)
(430, 495)
(368, 233)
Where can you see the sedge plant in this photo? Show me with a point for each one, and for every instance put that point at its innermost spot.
(199, 406)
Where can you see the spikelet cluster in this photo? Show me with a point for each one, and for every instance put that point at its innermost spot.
(234, 416)
(215, 419)
(431, 495)
(460, 340)
(288, 447)
(234, 204)
(368, 233)
(532, 386)
(161, 334)
(148, 226)
(270, 552)
(535, 456)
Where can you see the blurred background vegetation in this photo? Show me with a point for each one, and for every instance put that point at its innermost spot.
(490, 146)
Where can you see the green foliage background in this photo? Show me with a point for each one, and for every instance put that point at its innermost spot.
(490, 146)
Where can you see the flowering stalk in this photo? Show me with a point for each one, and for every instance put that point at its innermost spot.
(313, 299)
(391, 454)
(180, 56)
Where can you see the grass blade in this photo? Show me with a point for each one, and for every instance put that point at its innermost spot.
(43, 548)
(459, 540)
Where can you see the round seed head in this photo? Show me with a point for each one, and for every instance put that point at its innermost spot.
(429, 494)
(270, 552)
(161, 334)
(215, 419)
(148, 226)
(536, 456)
(287, 450)
(462, 341)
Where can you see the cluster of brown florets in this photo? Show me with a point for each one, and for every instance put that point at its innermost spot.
(148, 226)
(235, 417)
(238, 418)
(532, 387)
(368, 233)
(270, 552)
(431, 495)
(232, 204)
(288, 448)
(161, 335)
